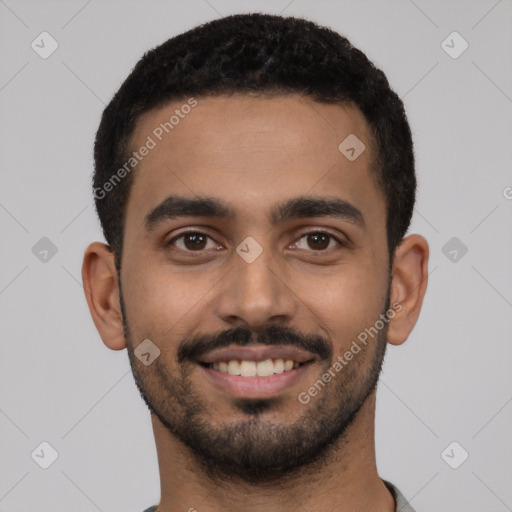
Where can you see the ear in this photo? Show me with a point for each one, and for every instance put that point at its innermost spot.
(408, 286)
(100, 281)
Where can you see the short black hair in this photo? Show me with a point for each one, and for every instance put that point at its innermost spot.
(258, 54)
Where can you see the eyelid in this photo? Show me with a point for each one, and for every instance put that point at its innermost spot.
(188, 231)
(323, 231)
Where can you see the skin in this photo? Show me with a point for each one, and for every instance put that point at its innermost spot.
(254, 153)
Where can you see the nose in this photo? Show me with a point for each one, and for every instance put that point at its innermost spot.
(257, 293)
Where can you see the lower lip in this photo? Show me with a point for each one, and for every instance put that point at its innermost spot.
(255, 387)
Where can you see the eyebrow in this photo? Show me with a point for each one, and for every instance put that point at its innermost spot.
(174, 207)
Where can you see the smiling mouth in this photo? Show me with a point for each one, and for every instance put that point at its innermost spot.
(247, 368)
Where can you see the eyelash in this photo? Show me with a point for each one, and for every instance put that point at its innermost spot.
(319, 232)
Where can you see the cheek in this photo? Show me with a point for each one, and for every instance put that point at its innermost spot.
(161, 299)
(347, 302)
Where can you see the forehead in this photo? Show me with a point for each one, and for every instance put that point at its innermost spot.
(252, 152)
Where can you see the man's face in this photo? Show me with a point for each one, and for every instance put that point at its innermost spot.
(191, 285)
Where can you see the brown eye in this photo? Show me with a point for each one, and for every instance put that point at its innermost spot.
(192, 241)
(318, 241)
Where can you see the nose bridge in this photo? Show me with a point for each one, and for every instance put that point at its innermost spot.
(255, 291)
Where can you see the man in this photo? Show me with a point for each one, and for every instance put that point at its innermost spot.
(255, 180)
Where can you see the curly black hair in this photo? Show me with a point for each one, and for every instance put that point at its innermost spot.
(258, 54)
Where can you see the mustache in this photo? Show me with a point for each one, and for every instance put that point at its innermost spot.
(194, 347)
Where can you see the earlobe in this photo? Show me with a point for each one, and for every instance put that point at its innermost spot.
(408, 286)
(100, 282)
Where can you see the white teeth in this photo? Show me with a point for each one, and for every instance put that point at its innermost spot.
(265, 368)
(234, 367)
(253, 369)
(278, 366)
(248, 369)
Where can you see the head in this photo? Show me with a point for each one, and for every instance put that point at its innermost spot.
(255, 180)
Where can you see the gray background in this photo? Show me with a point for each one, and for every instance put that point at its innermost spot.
(58, 383)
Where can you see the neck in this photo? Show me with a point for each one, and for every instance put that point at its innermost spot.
(346, 479)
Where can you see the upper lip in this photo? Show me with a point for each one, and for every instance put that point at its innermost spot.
(257, 353)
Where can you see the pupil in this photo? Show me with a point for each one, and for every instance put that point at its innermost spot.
(320, 240)
(194, 241)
